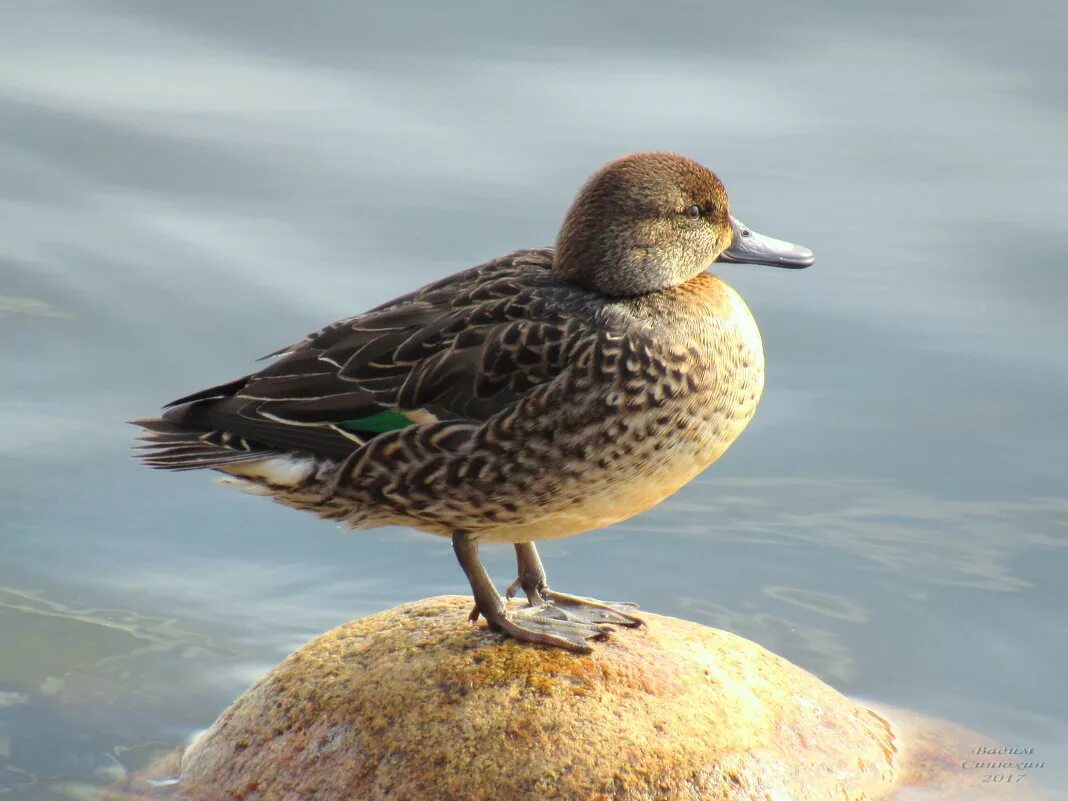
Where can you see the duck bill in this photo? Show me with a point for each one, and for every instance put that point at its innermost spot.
(749, 247)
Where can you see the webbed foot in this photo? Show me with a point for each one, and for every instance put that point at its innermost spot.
(534, 584)
(553, 618)
(548, 626)
(558, 619)
(591, 610)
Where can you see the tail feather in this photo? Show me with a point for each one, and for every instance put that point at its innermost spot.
(170, 446)
(229, 389)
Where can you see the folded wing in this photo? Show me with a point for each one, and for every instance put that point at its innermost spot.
(463, 348)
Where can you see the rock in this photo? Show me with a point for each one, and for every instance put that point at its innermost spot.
(936, 759)
(418, 704)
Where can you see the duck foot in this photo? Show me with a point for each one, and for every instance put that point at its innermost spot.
(535, 585)
(566, 625)
(588, 610)
(548, 625)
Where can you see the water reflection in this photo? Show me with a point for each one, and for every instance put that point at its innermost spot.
(978, 543)
(835, 606)
(77, 673)
(29, 307)
(820, 650)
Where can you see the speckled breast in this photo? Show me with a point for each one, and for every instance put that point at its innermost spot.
(681, 394)
(725, 369)
(712, 380)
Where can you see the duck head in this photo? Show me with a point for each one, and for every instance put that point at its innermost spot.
(649, 221)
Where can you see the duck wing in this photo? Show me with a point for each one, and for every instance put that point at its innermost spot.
(461, 349)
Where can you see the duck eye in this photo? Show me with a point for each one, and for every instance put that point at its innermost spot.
(693, 212)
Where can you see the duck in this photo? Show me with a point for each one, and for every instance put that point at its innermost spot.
(542, 394)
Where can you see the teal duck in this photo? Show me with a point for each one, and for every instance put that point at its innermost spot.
(539, 395)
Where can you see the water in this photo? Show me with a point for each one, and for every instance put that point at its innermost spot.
(185, 187)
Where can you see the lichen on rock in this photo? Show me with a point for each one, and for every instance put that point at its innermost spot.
(418, 704)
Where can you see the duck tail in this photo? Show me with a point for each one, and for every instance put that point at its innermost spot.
(170, 445)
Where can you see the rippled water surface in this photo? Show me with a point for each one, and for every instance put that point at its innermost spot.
(184, 187)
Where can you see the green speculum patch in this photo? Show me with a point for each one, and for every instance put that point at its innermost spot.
(378, 423)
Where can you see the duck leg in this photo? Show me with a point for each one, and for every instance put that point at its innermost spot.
(535, 585)
(539, 624)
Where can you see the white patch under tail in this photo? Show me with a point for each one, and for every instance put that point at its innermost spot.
(265, 476)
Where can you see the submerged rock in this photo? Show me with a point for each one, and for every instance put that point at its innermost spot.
(418, 704)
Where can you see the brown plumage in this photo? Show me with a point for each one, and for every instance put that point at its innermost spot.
(539, 395)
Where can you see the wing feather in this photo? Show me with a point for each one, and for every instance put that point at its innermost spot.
(462, 348)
